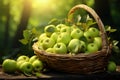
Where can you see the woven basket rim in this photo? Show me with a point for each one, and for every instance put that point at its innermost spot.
(101, 52)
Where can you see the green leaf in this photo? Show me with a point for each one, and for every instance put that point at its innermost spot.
(90, 23)
(79, 18)
(115, 42)
(35, 39)
(84, 19)
(27, 34)
(24, 41)
(116, 49)
(34, 31)
(53, 21)
(112, 30)
(70, 17)
(88, 18)
(109, 29)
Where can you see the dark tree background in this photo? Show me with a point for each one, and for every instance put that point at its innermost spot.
(7, 24)
(103, 8)
(23, 23)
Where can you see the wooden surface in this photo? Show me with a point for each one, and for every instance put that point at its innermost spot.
(64, 76)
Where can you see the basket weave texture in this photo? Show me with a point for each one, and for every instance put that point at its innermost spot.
(80, 63)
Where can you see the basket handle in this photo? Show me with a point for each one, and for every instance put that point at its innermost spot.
(95, 16)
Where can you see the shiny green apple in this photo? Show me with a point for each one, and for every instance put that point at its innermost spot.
(111, 67)
(94, 32)
(64, 38)
(66, 29)
(49, 30)
(26, 68)
(98, 41)
(54, 36)
(50, 50)
(60, 48)
(42, 35)
(19, 63)
(37, 65)
(33, 58)
(9, 66)
(60, 26)
(74, 46)
(76, 33)
(48, 43)
(89, 37)
(83, 46)
(23, 57)
(92, 48)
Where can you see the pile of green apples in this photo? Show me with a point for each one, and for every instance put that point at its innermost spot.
(64, 39)
(23, 64)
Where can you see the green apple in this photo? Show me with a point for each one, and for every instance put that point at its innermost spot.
(33, 58)
(55, 36)
(66, 29)
(19, 63)
(76, 33)
(89, 37)
(48, 43)
(9, 66)
(49, 30)
(50, 50)
(37, 65)
(64, 38)
(74, 46)
(23, 57)
(60, 48)
(60, 26)
(98, 41)
(41, 38)
(92, 47)
(40, 42)
(111, 67)
(43, 35)
(94, 31)
(83, 46)
(26, 67)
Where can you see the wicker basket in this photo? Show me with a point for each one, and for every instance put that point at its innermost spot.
(80, 63)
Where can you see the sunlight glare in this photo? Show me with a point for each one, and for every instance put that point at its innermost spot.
(46, 6)
(41, 3)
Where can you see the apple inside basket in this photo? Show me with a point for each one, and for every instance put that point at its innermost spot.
(74, 49)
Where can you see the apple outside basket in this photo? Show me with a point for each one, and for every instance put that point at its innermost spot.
(79, 63)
